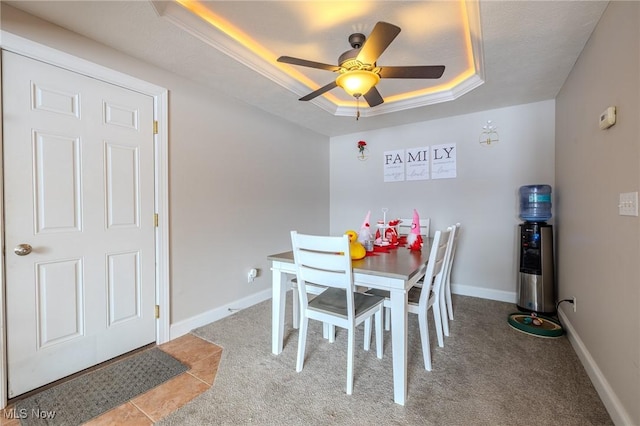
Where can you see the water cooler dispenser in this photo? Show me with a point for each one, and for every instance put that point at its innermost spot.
(536, 287)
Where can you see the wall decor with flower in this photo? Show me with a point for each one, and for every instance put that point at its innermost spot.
(363, 151)
(489, 135)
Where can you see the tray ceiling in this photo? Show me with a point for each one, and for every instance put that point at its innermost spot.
(497, 53)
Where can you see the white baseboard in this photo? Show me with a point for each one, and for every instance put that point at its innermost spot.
(484, 293)
(185, 326)
(610, 400)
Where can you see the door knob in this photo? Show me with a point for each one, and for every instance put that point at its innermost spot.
(22, 249)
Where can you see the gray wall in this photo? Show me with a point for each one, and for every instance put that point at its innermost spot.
(598, 250)
(239, 179)
(483, 197)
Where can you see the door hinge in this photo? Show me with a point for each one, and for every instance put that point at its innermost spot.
(155, 127)
(155, 219)
(157, 311)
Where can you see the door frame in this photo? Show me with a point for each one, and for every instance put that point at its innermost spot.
(31, 49)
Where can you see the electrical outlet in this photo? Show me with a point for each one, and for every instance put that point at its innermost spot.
(574, 304)
(253, 273)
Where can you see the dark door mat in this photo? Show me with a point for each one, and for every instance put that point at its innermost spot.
(89, 395)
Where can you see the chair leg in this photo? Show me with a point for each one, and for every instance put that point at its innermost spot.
(296, 308)
(350, 357)
(443, 313)
(332, 333)
(387, 319)
(437, 318)
(367, 334)
(302, 341)
(424, 339)
(379, 336)
(447, 293)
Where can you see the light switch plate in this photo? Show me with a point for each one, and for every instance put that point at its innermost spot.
(628, 205)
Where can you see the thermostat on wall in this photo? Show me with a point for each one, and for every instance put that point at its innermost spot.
(608, 118)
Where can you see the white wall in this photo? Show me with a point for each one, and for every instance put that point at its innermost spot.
(483, 196)
(599, 250)
(239, 180)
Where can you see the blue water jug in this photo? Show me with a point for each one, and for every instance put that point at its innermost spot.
(535, 203)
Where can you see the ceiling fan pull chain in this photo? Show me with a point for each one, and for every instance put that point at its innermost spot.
(357, 108)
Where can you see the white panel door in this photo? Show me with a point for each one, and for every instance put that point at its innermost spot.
(79, 190)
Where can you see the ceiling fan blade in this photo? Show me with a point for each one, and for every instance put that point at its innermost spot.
(420, 71)
(305, 63)
(373, 97)
(319, 91)
(379, 39)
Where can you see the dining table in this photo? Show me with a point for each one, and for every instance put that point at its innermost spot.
(395, 269)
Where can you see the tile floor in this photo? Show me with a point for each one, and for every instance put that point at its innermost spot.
(200, 356)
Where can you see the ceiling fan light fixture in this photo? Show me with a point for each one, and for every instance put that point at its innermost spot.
(357, 71)
(357, 82)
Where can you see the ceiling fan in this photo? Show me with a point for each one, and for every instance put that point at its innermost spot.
(357, 71)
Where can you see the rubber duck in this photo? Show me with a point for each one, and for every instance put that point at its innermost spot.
(356, 248)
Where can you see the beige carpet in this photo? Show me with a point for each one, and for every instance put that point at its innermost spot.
(486, 374)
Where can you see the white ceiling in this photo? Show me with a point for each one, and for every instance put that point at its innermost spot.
(524, 51)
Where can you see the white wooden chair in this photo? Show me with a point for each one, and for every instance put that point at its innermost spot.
(445, 297)
(328, 332)
(403, 228)
(326, 260)
(425, 297)
(311, 289)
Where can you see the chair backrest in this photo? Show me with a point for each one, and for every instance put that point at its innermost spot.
(325, 261)
(405, 226)
(453, 244)
(436, 265)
